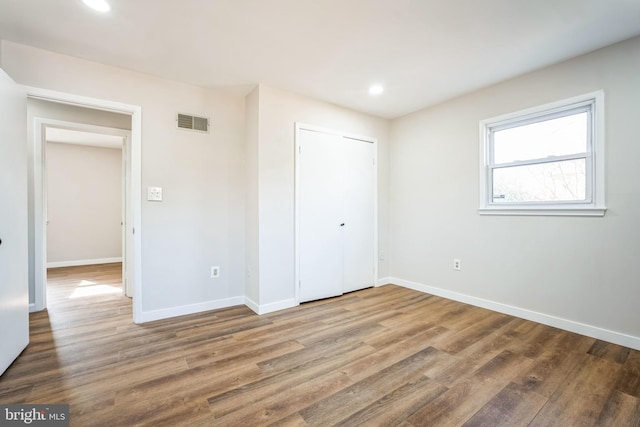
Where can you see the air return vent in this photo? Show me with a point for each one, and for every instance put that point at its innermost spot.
(195, 123)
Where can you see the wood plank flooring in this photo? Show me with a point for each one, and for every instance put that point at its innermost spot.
(386, 356)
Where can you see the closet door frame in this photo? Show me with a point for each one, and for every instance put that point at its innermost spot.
(307, 127)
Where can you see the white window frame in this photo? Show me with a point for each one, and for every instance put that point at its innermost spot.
(594, 205)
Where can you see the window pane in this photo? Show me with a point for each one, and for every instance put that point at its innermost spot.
(555, 137)
(544, 182)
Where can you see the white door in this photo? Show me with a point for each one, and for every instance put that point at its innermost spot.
(320, 215)
(14, 287)
(336, 214)
(359, 230)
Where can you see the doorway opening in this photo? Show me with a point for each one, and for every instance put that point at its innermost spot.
(76, 116)
(86, 209)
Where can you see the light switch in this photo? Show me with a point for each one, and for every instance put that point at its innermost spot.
(154, 194)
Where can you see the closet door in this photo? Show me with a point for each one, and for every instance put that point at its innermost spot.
(336, 220)
(319, 215)
(358, 213)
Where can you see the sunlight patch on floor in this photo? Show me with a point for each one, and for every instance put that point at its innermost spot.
(87, 288)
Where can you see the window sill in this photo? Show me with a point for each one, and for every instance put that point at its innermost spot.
(543, 211)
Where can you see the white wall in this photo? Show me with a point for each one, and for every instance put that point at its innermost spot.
(582, 270)
(200, 223)
(84, 209)
(278, 113)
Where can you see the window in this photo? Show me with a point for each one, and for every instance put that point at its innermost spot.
(547, 160)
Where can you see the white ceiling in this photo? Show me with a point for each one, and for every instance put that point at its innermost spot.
(422, 51)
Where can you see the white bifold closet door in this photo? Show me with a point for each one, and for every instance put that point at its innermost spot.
(336, 214)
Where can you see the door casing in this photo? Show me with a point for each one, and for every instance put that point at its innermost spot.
(134, 159)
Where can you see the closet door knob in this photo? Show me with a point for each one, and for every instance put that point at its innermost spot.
(342, 224)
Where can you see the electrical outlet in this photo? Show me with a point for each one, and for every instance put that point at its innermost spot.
(215, 272)
(457, 265)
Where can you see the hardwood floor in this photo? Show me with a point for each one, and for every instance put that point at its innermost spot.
(386, 356)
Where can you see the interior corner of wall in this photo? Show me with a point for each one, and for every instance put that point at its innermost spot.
(1, 54)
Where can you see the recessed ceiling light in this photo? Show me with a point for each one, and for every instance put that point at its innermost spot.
(98, 5)
(376, 90)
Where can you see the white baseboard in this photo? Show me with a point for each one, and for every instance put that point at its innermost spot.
(383, 281)
(78, 262)
(165, 313)
(254, 306)
(557, 322)
(271, 307)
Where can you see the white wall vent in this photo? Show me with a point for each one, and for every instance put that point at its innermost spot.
(190, 122)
